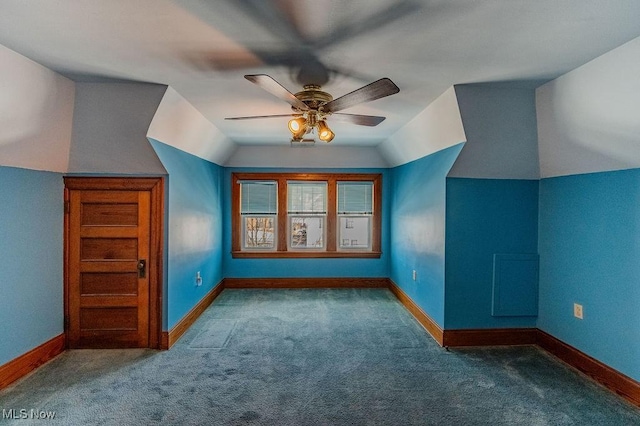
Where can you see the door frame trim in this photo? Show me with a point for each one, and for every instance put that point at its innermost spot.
(156, 245)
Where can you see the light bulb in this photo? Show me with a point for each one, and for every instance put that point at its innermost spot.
(298, 127)
(324, 132)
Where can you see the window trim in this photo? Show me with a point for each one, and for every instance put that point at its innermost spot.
(332, 249)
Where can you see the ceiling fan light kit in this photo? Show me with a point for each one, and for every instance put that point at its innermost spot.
(312, 106)
(301, 126)
(324, 132)
(298, 127)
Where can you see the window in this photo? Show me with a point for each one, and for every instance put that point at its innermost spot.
(355, 209)
(258, 209)
(306, 215)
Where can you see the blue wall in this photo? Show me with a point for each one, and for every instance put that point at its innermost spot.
(194, 218)
(590, 254)
(484, 217)
(588, 237)
(31, 248)
(284, 268)
(418, 229)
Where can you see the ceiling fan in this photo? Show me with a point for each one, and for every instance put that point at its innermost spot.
(295, 48)
(312, 106)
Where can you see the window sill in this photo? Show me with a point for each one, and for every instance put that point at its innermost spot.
(305, 255)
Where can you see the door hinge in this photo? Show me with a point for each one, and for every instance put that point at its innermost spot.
(66, 207)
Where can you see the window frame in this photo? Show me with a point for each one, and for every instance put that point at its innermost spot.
(332, 249)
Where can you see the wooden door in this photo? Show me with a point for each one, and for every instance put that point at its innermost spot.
(112, 292)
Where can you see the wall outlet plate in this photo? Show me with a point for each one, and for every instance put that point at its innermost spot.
(577, 311)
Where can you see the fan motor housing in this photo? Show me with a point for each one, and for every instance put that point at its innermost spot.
(313, 97)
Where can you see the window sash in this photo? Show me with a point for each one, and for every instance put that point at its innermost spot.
(258, 197)
(354, 237)
(264, 232)
(355, 198)
(307, 197)
(307, 232)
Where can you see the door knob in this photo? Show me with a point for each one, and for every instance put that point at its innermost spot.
(142, 268)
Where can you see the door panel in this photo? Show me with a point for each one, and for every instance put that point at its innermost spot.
(108, 294)
(112, 283)
(110, 214)
(108, 248)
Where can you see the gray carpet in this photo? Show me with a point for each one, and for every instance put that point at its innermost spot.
(313, 357)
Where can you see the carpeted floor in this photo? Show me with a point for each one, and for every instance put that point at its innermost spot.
(313, 357)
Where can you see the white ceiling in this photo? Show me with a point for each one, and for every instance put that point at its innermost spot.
(203, 48)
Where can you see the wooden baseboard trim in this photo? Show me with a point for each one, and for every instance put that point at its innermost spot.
(490, 337)
(612, 379)
(305, 282)
(425, 320)
(615, 381)
(27, 362)
(169, 338)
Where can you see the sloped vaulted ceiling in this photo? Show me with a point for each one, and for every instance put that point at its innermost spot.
(36, 114)
(110, 127)
(588, 119)
(202, 48)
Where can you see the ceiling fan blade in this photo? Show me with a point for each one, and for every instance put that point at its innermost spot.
(357, 28)
(362, 120)
(273, 18)
(277, 18)
(376, 90)
(270, 85)
(251, 117)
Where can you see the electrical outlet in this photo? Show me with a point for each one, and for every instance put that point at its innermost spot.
(577, 311)
(198, 279)
(414, 274)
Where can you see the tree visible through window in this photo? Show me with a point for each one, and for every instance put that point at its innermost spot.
(259, 232)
